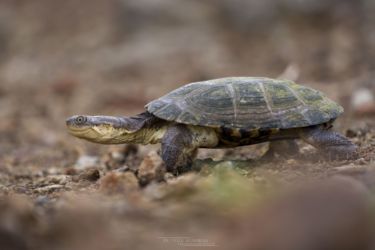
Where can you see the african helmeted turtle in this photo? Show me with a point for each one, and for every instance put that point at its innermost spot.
(226, 112)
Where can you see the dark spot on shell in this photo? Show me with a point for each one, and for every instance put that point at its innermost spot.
(264, 132)
(245, 133)
(226, 133)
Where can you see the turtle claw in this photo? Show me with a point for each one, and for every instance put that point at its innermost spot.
(344, 152)
(332, 145)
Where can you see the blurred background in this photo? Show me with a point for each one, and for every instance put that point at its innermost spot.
(60, 58)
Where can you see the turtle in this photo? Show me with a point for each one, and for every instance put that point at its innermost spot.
(223, 113)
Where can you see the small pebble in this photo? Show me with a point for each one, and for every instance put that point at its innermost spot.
(350, 169)
(117, 156)
(351, 133)
(361, 161)
(41, 200)
(151, 168)
(90, 175)
(168, 176)
(123, 169)
(117, 182)
(20, 190)
(4, 189)
(155, 191)
(58, 179)
(86, 161)
(49, 189)
(71, 171)
(291, 162)
(363, 102)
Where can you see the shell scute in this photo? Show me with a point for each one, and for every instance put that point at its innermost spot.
(246, 103)
(281, 96)
(216, 97)
(251, 97)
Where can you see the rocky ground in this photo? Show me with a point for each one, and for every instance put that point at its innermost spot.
(112, 57)
(69, 194)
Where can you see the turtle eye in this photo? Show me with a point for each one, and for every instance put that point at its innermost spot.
(80, 120)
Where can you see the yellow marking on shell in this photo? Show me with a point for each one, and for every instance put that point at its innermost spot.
(254, 133)
(274, 131)
(235, 133)
(204, 137)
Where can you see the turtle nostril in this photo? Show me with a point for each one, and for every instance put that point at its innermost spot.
(69, 122)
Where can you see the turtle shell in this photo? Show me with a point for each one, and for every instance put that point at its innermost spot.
(245, 103)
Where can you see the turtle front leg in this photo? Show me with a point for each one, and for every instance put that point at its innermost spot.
(332, 144)
(177, 150)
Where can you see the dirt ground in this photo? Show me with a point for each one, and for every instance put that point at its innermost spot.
(61, 58)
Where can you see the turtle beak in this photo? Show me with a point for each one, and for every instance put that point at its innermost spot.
(84, 121)
(79, 126)
(70, 121)
(77, 122)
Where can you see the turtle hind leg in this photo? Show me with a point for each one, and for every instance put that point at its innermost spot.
(333, 145)
(177, 150)
(287, 148)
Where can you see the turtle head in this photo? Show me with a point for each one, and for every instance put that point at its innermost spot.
(101, 129)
